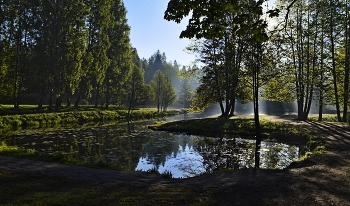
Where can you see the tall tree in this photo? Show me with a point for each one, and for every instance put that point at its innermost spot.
(164, 92)
(169, 94)
(314, 36)
(98, 21)
(17, 38)
(157, 85)
(247, 19)
(119, 55)
(346, 25)
(137, 91)
(58, 56)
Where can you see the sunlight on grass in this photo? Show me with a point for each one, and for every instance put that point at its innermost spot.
(238, 125)
(14, 150)
(22, 119)
(325, 118)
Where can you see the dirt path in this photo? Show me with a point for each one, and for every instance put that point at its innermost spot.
(319, 180)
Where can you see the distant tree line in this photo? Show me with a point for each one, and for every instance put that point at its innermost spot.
(54, 51)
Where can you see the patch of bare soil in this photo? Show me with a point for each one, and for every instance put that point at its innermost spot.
(319, 180)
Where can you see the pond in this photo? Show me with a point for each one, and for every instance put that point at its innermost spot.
(133, 147)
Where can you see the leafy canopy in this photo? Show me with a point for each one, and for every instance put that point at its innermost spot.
(208, 17)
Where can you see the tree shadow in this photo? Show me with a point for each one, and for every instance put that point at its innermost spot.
(338, 137)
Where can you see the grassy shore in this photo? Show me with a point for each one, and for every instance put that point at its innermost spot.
(58, 191)
(27, 117)
(239, 125)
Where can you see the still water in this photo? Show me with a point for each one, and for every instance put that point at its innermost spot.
(133, 147)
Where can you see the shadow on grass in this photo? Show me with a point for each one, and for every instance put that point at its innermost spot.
(218, 127)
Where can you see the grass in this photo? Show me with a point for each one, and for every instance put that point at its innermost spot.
(14, 151)
(21, 189)
(27, 117)
(325, 118)
(6, 109)
(20, 152)
(238, 125)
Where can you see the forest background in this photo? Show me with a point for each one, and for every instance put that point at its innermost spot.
(64, 50)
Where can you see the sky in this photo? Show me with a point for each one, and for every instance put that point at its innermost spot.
(151, 32)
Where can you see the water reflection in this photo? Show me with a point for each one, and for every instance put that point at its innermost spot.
(131, 147)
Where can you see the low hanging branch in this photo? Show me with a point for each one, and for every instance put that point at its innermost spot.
(288, 10)
(286, 17)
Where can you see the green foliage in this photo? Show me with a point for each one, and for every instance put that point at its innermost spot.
(309, 54)
(164, 92)
(119, 54)
(57, 49)
(158, 62)
(36, 120)
(213, 25)
(318, 150)
(14, 150)
(137, 91)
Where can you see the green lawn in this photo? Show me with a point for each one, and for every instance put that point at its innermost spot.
(28, 117)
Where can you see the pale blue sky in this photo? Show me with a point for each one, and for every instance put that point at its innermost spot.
(150, 31)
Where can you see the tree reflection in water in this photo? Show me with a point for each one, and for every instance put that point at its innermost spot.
(236, 153)
(131, 147)
(222, 153)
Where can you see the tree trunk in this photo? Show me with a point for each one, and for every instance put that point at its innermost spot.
(257, 59)
(97, 98)
(68, 101)
(50, 108)
(40, 104)
(347, 65)
(257, 120)
(131, 99)
(320, 106)
(58, 103)
(222, 109)
(335, 83)
(232, 110)
(321, 86)
(107, 93)
(76, 104)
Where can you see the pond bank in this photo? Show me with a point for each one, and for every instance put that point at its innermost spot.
(39, 120)
(273, 129)
(319, 180)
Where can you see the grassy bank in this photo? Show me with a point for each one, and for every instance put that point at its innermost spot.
(238, 125)
(20, 152)
(28, 118)
(21, 189)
